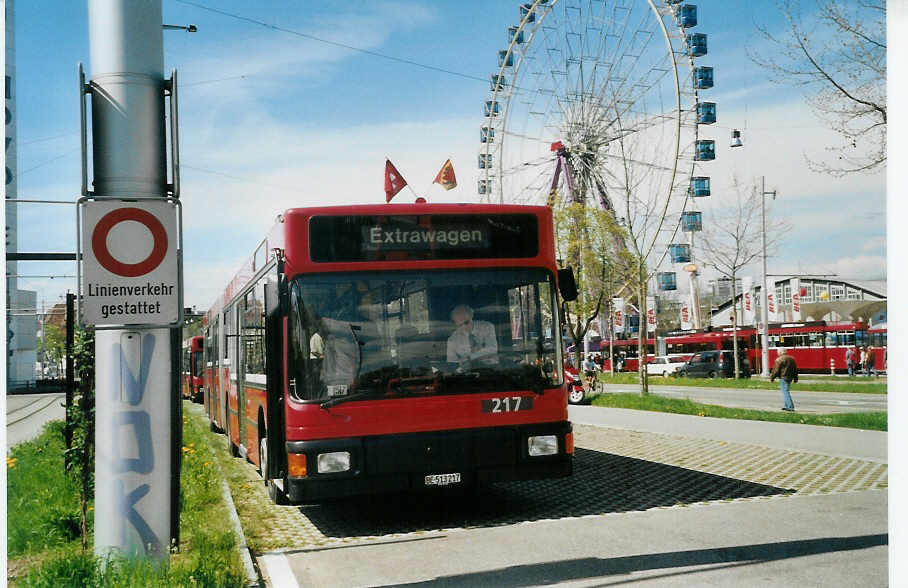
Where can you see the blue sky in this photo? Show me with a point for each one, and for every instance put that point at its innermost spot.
(271, 119)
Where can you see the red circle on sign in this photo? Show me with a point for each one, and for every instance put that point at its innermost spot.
(129, 270)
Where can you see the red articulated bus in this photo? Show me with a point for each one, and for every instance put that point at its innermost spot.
(376, 348)
(192, 373)
(625, 350)
(817, 346)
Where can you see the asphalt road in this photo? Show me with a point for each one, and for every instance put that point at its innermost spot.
(805, 401)
(26, 415)
(627, 521)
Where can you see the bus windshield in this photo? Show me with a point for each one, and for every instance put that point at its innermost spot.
(372, 335)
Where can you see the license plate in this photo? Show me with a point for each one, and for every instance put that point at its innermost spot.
(442, 479)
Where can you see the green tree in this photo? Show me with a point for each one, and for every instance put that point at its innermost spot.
(52, 345)
(585, 240)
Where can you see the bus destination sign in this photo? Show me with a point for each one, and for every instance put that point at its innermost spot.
(129, 273)
(432, 236)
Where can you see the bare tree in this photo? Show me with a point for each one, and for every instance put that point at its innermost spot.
(839, 56)
(733, 241)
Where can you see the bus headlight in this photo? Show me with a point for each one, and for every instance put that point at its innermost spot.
(334, 462)
(542, 445)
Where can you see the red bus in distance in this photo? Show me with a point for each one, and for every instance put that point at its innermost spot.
(816, 346)
(376, 348)
(192, 373)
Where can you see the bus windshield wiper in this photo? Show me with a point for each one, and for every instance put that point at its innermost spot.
(341, 399)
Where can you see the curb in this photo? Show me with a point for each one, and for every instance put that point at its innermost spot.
(252, 575)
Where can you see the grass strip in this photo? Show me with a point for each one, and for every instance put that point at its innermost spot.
(44, 547)
(42, 502)
(874, 421)
(845, 384)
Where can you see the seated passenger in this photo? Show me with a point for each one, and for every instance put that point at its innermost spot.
(473, 341)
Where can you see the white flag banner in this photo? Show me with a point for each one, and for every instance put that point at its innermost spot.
(795, 299)
(619, 317)
(747, 301)
(651, 314)
(686, 322)
(771, 308)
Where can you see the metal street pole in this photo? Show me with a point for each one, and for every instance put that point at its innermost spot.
(133, 367)
(764, 294)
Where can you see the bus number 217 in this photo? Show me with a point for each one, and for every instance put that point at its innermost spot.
(507, 404)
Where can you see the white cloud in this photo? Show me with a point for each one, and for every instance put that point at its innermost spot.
(858, 267)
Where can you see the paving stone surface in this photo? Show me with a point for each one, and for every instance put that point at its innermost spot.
(615, 471)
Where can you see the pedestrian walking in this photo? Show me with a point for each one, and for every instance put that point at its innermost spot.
(849, 360)
(871, 363)
(863, 365)
(786, 370)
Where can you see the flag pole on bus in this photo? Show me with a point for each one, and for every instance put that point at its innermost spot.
(446, 178)
(394, 182)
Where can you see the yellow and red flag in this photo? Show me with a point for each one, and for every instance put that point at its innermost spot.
(446, 177)
(394, 182)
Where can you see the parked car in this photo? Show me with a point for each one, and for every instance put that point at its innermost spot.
(712, 364)
(664, 365)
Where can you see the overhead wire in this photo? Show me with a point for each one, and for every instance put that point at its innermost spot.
(333, 43)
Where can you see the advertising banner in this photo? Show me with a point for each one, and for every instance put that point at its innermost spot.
(619, 317)
(771, 308)
(686, 322)
(747, 301)
(651, 314)
(795, 299)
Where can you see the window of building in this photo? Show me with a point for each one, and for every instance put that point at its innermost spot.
(787, 296)
(821, 292)
(807, 288)
(854, 294)
(836, 292)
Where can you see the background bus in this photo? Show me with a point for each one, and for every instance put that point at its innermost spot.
(337, 369)
(192, 370)
(625, 350)
(815, 345)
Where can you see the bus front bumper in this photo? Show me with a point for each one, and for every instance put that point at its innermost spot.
(410, 461)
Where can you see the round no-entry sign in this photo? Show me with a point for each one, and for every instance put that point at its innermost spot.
(130, 270)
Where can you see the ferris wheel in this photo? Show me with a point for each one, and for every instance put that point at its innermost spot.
(597, 95)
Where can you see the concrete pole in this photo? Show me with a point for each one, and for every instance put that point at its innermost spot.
(132, 367)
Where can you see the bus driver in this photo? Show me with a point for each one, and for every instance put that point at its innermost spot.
(472, 340)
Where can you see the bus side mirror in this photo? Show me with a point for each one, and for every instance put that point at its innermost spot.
(567, 285)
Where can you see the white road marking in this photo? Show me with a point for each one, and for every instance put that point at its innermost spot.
(278, 572)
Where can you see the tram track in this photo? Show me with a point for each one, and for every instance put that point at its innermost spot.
(44, 405)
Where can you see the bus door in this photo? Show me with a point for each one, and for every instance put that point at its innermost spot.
(233, 375)
(275, 294)
(240, 373)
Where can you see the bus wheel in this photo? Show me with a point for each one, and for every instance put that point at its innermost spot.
(234, 451)
(274, 493)
(713, 374)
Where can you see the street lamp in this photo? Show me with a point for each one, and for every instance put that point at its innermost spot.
(764, 313)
